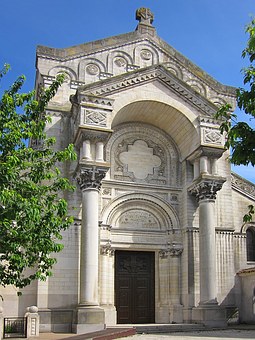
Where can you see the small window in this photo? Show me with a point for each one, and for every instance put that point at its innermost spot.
(250, 244)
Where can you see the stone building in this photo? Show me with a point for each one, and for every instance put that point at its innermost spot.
(158, 234)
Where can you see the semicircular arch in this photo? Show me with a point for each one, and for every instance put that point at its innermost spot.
(142, 211)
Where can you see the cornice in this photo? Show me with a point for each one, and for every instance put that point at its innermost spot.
(243, 186)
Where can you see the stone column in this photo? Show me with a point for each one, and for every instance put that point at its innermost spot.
(89, 316)
(205, 190)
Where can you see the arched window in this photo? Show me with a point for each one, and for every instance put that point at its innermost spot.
(250, 244)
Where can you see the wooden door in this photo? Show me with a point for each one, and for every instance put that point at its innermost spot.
(134, 287)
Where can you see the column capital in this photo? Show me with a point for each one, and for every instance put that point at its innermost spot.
(206, 187)
(107, 249)
(91, 177)
(175, 250)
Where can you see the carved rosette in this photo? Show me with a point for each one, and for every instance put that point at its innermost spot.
(206, 188)
(91, 177)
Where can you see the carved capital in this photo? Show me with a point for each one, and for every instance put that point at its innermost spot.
(206, 187)
(175, 251)
(163, 254)
(106, 249)
(91, 177)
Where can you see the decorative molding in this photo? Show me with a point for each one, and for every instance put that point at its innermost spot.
(110, 86)
(206, 187)
(242, 185)
(91, 177)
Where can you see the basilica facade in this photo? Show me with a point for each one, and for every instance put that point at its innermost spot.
(158, 235)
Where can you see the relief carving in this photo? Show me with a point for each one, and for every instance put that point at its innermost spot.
(92, 69)
(146, 54)
(92, 117)
(212, 136)
(138, 219)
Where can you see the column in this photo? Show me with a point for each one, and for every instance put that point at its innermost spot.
(90, 181)
(208, 312)
(89, 316)
(205, 190)
(207, 251)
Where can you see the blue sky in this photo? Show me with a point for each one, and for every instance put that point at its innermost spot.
(208, 32)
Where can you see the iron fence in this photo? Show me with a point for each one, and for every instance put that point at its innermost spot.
(15, 328)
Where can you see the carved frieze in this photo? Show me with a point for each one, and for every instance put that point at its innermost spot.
(242, 185)
(90, 177)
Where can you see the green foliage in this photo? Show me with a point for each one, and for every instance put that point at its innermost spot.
(32, 212)
(240, 134)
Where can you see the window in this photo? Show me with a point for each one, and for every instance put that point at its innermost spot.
(250, 244)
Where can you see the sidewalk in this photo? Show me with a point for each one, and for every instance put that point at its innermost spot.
(238, 332)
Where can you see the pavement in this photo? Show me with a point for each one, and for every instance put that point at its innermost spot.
(233, 333)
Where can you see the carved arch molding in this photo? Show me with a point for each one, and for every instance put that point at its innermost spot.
(139, 211)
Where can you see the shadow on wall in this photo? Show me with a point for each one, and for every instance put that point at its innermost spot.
(240, 301)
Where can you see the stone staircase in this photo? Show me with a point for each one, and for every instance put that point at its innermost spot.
(168, 328)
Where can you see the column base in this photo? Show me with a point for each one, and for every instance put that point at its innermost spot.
(88, 319)
(176, 314)
(110, 315)
(210, 315)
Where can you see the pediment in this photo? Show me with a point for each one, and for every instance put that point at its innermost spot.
(159, 73)
(129, 55)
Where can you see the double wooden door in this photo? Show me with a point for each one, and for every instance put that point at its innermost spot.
(135, 287)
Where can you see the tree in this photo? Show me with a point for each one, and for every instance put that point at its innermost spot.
(240, 134)
(32, 212)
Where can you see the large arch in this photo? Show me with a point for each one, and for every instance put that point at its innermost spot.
(181, 126)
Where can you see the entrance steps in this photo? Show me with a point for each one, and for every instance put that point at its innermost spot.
(121, 331)
(168, 328)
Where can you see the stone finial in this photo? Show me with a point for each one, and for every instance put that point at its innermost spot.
(144, 16)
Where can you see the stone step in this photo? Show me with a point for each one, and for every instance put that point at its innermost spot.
(107, 334)
(168, 328)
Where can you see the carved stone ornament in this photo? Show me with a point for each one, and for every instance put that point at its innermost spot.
(93, 117)
(120, 62)
(206, 188)
(212, 137)
(175, 250)
(146, 54)
(144, 16)
(106, 249)
(91, 177)
(92, 69)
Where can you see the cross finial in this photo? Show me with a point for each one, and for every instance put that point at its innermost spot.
(145, 16)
